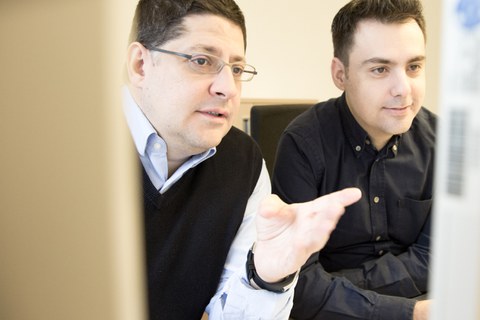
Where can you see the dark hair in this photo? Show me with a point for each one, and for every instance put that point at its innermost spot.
(158, 21)
(385, 11)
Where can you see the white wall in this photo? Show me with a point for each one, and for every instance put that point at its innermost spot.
(289, 42)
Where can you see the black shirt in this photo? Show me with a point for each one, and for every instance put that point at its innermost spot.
(380, 247)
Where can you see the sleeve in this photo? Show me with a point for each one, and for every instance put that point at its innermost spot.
(235, 298)
(417, 258)
(403, 275)
(294, 179)
(319, 294)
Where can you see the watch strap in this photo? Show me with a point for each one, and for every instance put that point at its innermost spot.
(257, 282)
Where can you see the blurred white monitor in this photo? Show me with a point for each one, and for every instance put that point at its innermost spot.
(455, 280)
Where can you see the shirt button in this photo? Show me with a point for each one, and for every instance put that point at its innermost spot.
(394, 148)
(376, 200)
(157, 146)
(380, 252)
(378, 238)
(358, 148)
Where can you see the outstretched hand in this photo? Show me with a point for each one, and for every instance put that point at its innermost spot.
(287, 235)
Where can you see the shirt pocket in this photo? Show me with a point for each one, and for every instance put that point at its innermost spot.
(408, 219)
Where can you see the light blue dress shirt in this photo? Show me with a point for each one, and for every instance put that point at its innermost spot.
(235, 298)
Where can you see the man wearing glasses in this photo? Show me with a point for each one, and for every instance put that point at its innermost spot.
(216, 240)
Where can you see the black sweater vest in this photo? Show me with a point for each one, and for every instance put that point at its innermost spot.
(189, 228)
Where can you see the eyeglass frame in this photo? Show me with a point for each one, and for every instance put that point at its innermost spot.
(189, 57)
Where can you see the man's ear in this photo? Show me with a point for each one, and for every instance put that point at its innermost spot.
(136, 54)
(339, 73)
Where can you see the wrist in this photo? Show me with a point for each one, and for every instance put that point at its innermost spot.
(256, 282)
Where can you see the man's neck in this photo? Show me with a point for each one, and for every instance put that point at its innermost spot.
(173, 165)
(380, 142)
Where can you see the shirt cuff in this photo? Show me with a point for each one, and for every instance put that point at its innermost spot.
(394, 308)
(239, 300)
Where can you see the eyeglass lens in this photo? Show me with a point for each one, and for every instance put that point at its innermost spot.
(204, 63)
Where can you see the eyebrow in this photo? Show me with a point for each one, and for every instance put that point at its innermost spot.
(376, 60)
(214, 51)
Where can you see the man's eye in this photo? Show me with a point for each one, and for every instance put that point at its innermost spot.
(379, 70)
(415, 67)
(237, 70)
(201, 61)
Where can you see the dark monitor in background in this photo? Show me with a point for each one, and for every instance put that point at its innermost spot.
(267, 123)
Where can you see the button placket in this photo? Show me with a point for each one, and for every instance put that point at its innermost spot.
(377, 206)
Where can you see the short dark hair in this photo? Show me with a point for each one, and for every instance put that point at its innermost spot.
(158, 21)
(346, 20)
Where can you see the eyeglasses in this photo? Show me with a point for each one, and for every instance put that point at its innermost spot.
(207, 64)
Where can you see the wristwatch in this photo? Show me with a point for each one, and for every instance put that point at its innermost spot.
(257, 282)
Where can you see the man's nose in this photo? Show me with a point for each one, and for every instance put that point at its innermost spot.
(224, 84)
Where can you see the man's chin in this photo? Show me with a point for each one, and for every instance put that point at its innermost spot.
(213, 138)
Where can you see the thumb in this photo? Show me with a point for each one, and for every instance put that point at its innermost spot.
(346, 196)
(335, 202)
(271, 205)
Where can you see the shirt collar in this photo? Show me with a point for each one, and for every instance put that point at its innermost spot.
(140, 128)
(356, 136)
(144, 135)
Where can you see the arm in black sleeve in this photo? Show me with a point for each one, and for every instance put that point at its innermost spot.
(298, 168)
(319, 295)
(403, 275)
(416, 258)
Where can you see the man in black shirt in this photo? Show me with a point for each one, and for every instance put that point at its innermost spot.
(379, 138)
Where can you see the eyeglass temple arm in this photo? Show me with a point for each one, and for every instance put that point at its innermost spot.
(183, 55)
